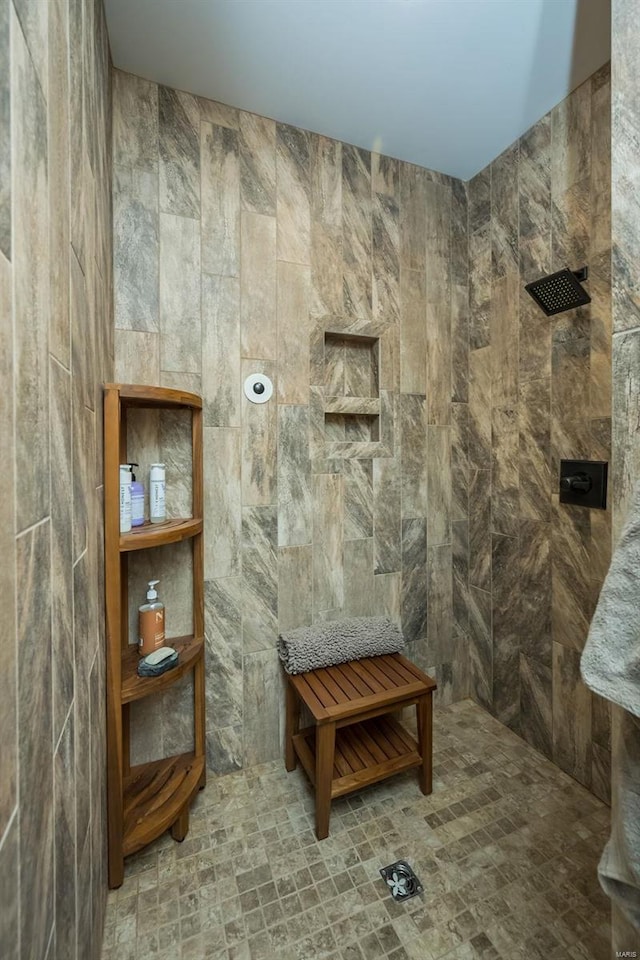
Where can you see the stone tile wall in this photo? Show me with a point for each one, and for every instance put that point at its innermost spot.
(242, 245)
(540, 390)
(55, 351)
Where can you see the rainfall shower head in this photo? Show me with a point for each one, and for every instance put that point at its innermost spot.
(560, 291)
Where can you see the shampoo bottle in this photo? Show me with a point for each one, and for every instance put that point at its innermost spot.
(125, 498)
(151, 622)
(137, 499)
(157, 509)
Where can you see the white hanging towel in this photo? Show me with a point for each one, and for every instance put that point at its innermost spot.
(610, 666)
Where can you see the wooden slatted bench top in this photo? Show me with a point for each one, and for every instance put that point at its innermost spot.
(349, 689)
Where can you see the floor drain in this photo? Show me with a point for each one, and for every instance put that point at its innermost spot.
(401, 881)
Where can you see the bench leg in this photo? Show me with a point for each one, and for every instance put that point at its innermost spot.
(425, 742)
(291, 728)
(325, 746)
(180, 828)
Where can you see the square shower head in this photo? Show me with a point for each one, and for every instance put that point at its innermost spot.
(559, 291)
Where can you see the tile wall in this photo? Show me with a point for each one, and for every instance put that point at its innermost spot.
(55, 351)
(242, 245)
(540, 390)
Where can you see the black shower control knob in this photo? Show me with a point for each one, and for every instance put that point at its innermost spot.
(578, 483)
(258, 387)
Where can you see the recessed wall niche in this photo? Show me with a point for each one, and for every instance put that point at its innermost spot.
(352, 393)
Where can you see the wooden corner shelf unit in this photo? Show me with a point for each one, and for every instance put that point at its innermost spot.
(147, 799)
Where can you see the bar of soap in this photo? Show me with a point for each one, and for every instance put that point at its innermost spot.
(158, 662)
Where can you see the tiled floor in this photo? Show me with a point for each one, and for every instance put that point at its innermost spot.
(506, 847)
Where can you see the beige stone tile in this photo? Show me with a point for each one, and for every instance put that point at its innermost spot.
(5, 135)
(295, 492)
(359, 599)
(571, 139)
(221, 364)
(413, 217)
(259, 438)
(504, 341)
(295, 587)
(262, 677)
(33, 559)
(413, 331)
(58, 148)
(292, 192)
(179, 152)
(438, 485)
(413, 440)
(180, 317)
(257, 163)
(293, 323)
(356, 233)
(135, 121)
(30, 259)
(8, 678)
(220, 200)
(136, 246)
(137, 357)
(328, 563)
(571, 715)
(258, 287)
(439, 351)
(387, 593)
(259, 579)
(222, 507)
(9, 885)
(218, 113)
(61, 544)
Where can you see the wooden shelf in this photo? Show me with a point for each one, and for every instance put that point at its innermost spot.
(365, 753)
(144, 800)
(138, 395)
(136, 688)
(158, 534)
(154, 796)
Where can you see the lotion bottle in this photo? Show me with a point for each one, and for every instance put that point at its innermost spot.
(125, 498)
(151, 622)
(137, 499)
(157, 508)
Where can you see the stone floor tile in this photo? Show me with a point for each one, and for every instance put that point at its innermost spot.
(506, 848)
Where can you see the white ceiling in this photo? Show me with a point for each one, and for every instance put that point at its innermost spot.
(447, 84)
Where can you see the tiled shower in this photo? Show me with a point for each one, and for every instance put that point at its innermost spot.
(242, 245)
(274, 250)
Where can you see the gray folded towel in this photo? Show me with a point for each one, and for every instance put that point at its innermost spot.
(336, 641)
(619, 867)
(610, 666)
(610, 661)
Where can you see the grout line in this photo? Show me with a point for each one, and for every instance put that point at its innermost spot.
(50, 940)
(31, 528)
(623, 333)
(64, 725)
(14, 816)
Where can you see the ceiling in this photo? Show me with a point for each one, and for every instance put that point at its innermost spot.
(447, 84)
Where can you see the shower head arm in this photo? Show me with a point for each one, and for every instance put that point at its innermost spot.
(581, 274)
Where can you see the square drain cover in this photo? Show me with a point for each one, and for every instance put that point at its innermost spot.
(401, 880)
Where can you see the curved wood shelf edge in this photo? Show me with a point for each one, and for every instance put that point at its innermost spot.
(154, 796)
(138, 395)
(156, 535)
(136, 688)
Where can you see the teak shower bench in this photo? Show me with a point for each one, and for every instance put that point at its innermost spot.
(355, 741)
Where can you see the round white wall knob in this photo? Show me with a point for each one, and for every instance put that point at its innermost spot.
(258, 388)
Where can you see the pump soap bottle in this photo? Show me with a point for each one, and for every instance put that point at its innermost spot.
(151, 620)
(137, 499)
